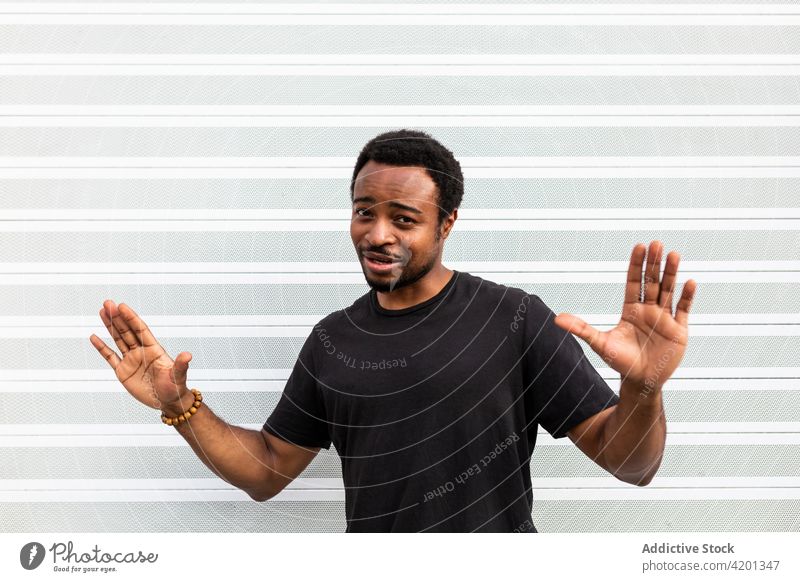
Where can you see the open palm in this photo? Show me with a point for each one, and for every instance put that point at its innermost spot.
(145, 369)
(648, 343)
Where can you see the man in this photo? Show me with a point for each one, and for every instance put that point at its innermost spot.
(432, 385)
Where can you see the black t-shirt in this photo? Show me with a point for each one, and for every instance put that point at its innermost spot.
(434, 409)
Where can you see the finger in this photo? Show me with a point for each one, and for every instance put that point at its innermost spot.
(633, 284)
(123, 347)
(685, 303)
(139, 327)
(652, 271)
(668, 281)
(110, 355)
(119, 323)
(180, 368)
(575, 325)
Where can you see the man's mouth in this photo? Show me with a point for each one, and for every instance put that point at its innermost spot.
(378, 258)
(379, 263)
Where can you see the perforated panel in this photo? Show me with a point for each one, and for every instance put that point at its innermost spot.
(693, 140)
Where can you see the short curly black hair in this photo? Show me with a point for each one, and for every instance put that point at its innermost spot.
(408, 147)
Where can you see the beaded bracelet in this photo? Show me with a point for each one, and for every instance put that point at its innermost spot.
(176, 420)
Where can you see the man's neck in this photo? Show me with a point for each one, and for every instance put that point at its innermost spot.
(420, 291)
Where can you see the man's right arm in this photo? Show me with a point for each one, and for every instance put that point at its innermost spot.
(257, 462)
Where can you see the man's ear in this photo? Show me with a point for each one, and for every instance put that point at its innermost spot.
(448, 222)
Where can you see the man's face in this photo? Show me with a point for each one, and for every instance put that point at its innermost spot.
(395, 217)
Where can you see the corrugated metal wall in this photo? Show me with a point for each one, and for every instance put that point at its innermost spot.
(193, 160)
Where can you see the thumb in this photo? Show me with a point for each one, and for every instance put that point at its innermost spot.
(180, 368)
(580, 328)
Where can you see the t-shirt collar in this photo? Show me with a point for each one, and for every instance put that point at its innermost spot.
(444, 291)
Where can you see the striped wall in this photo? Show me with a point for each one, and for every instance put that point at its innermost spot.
(193, 160)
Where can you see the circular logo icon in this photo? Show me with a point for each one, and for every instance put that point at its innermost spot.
(31, 555)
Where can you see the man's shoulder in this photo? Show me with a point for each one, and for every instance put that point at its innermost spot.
(509, 296)
(344, 315)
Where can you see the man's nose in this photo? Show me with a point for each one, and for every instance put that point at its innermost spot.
(380, 234)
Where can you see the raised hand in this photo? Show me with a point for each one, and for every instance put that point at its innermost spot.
(648, 343)
(145, 369)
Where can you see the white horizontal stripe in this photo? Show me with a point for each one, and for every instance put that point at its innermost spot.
(659, 482)
(459, 19)
(337, 225)
(201, 322)
(321, 267)
(281, 374)
(148, 484)
(234, 384)
(139, 441)
(763, 121)
(277, 331)
(113, 386)
(132, 172)
(634, 493)
(358, 278)
(251, 374)
(311, 162)
(79, 436)
(342, 168)
(629, 493)
(158, 429)
(336, 483)
(345, 214)
(391, 9)
(416, 58)
(391, 109)
(363, 121)
(544, 70)
(172, 495)
(608, 494)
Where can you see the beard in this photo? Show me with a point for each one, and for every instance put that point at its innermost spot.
(400, 277)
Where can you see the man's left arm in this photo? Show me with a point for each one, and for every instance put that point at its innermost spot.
(627, 439)
(646, 347)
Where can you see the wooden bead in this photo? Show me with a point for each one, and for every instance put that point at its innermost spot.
(198, 397)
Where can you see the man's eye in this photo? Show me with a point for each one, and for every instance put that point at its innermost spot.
(360, 210)
(407, 218)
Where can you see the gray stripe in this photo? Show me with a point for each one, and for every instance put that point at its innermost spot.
(681, 461)
(547, 461)
(656, 516)
(196, 516)
(329, 516)
(348, 141)
(256, 246)
(320, 300)
(335, 193)
(359, 39)
(250, 352)
(129, 463)
(383, 90)
(253, 407)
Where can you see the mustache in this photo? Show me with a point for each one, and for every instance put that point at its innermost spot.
(387, 255)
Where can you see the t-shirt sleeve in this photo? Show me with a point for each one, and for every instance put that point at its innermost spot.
(299, 417)
(563, 388)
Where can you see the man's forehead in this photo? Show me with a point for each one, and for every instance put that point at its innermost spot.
(381, 180)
